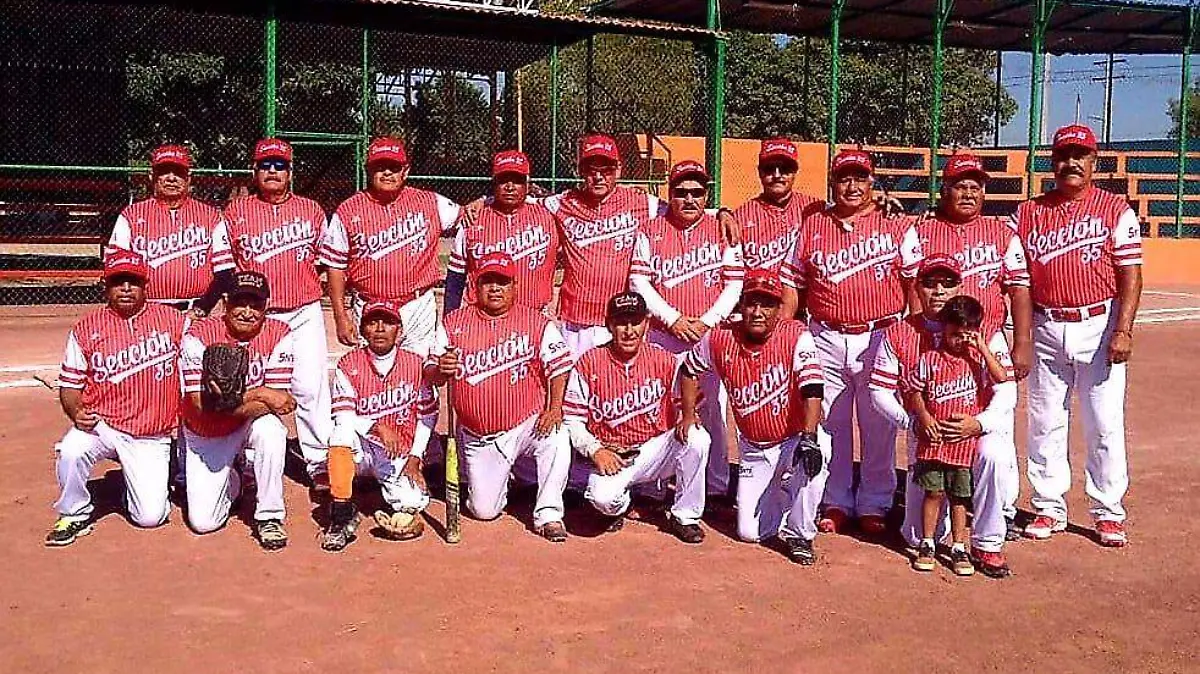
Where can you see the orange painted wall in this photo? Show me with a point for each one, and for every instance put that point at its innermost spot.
(1171, 262)
(739, 178)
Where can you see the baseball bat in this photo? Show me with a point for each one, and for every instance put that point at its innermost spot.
(453, 513)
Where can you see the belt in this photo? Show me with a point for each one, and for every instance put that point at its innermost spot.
(861, 328)
(1074, 314)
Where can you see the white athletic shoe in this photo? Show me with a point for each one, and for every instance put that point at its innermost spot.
(1043, 526)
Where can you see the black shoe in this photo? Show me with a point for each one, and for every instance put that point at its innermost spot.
(799, 550)
(271, 535)
(688, 533)
(343, 526)
(1011, 531)
(615, 523)
(65, 531)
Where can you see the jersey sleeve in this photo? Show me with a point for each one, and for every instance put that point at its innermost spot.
(74, 370)
(221, 252)
(335, 246)
(554, 353)
(806, 365)
(457, 263)
(278, 371)
(918, 379)
(427, 414)
(791, 272)
(733, 272)
(885, 371)
(448, 213)
(910, 253)
(699, 359)
(576, 415)
(121, 237)
(441, 344)
(1127, 240)
(998, 345)
(191, 362)
(344, 396)
(655, 206)
(642, 279)
(639, 264)
(1016, 268)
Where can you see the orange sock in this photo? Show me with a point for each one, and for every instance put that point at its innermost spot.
(341, 473)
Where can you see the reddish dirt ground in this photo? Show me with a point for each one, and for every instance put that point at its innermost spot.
(167, 600)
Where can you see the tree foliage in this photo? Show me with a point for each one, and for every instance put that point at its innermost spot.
(1193, 103)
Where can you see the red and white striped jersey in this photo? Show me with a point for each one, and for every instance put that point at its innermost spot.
(389, 251)
(280, 241)
(687, 267)
(398, 398)
(990, 254)
(763, 381)
(851, 272)
(530, 237)
(905, 341)
(1074, 247)
(126, 368)
(950, 384)
(182, 246)
(769, 232)
(271, 362)
(623, 403)
(597, 245)
(505, 363)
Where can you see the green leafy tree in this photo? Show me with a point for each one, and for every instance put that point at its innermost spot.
(1193, 103)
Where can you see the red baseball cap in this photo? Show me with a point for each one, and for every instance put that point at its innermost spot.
(851, 160)
(272, 148)
(688, 169)
(510, 161)
(499, 263)
(775, 149)
(389, 309)
(963, 165)
(945, 263)
(598, 146)
(762, 282)
(171, 155)
(1075, 135)
(122, 261)
(387, 148)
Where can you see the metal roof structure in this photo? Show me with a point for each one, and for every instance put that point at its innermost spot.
(1074, 27)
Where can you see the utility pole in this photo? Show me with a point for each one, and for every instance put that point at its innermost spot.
(1108, 78)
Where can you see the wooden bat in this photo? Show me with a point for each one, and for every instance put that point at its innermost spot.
(453, 513)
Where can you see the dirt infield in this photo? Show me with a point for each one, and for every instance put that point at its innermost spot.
(125, 600)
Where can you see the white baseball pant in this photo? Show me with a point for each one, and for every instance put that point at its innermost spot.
(400, 492)
(310, 383)
(715, 400)
(144, 462)
(418, 317)
(488, 463)
(660, 457)
(583, 338)
(767, 506)
(847, 361)
(213, 484)
(1068, 358)
(996, 484)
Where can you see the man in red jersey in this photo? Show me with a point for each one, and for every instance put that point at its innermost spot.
(215, 440)
(995, 469)
(992, 262)
(507, 368)
(277, 233)
(1085, 265)
(512, 224)
(691, 281)
(384, 413)
(620, 415)
(184, 241)
(382, 245)
(851, 270)
(770, 367)
(120, 388)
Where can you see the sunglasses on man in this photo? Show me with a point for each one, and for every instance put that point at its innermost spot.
(935, 281)
(273, 165)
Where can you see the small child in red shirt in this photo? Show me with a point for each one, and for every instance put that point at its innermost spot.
(954, 378)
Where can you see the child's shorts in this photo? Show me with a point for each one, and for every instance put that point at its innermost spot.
(935, 476)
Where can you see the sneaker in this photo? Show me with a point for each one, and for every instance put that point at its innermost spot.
(65, 531)
(960, 562)
(1043, 526)
(554, 532)
(1012, 532)
(833, 521)
(1111, 533)
(991, 564)
(271, 535)
(688, 533)
(926, 558)
(872, 525)
(343, 527)
(799, 550)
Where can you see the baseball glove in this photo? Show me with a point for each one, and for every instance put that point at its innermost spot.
(808, 455)
(401, 525)
(223, 377)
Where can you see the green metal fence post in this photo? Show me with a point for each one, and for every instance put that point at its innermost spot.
(716, 135)
(1041, 17)
(368, 94)
(944, 7)
(1185, 87)
(270, 89)
(554, 117)
(835, 68)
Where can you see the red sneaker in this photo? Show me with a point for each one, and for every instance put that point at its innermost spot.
(1043, 526)
(833, 521)
(991, 564)
(1112, 534)
(872, 525)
